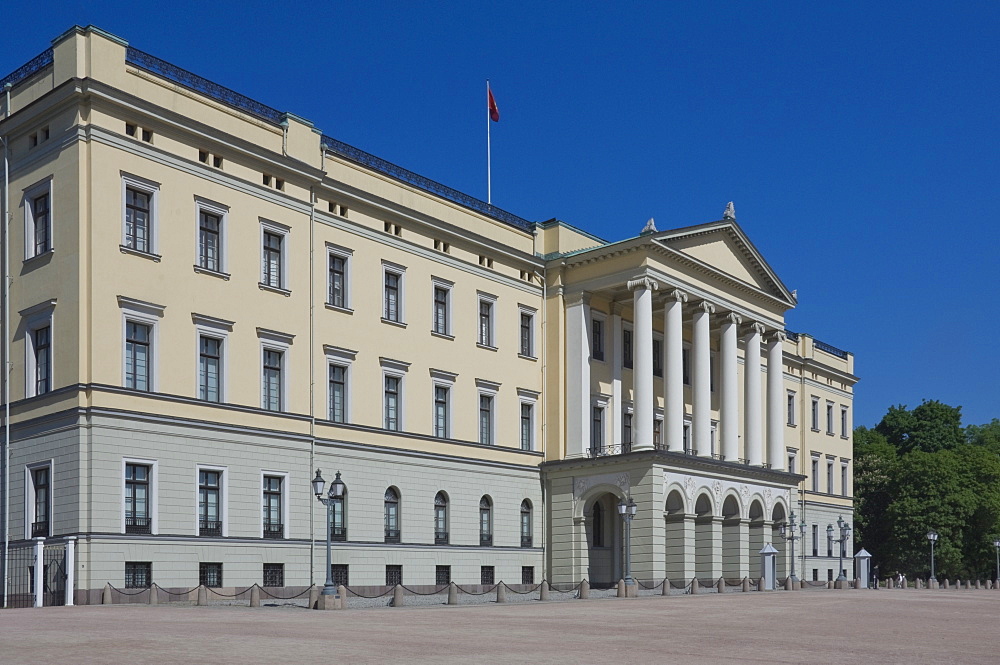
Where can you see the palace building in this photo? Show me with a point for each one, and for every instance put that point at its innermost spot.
(211, 299)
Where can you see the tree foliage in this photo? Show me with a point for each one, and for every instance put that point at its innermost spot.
(918, 470)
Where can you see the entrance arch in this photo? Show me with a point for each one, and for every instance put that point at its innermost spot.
(676, 560)
(706, 565)
(756, 536)
(604, 540)
(732, 541)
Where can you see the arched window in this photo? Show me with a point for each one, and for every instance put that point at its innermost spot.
(597, 522)
(525, 523)
(391, 515)
(441, 519)
(338, 518)
(485, 521)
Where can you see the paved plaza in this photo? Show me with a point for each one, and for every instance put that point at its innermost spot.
(782, 627)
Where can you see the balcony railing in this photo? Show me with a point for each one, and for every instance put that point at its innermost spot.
(274, 530)
(140, 525)
(486, 540)
(440, 537)
(392, 535)
(40, 529)
(209, 528)
(338, 533)
(609, 449)
(526, 541)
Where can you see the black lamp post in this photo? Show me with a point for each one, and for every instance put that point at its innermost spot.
(845, 533)
(627, 511)
(788, 532)
(932, 536)
(336, 493)
(996, 544)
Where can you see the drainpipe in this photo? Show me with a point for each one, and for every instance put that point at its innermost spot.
(541, 343)
(6, 353)
(312, 374)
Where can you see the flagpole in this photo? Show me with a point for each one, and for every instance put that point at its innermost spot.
(489, 183)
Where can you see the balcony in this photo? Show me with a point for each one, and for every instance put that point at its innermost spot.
(486, 540)
(392, 535)
(40, 529)
(138, 525)
(211, 528)
(338, 534)
(274, 530)
(440, 537)
(526, 541)
(610, 449)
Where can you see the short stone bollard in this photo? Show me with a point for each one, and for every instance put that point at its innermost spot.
(397, 595)
(720, 586)
(453, 593)
(694, 585)
(621, 589)
(945, 584)
(829, 584)
(313, 597)
(153, 595)
(255, 596)
(746, 585)
(665, 591)
(789, 585)
(202, 595)
(501, 593)
(761, 584)
(342, 592)
(106, 595)
(857, 583)
(543, 591)
(584, 590)
(979, 584)
(968, 584)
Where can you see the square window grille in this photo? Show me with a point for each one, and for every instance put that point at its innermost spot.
(138, 574)
(393, 575)
(486, 575)
(340, 574)
(210, 574)
(274, 574)
(442, 575)
(527, 574)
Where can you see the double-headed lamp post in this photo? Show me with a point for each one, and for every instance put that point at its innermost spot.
(627, 511)
(792, 532)
(932, 536)
(996, 544)
(336, 493)
(845, 533)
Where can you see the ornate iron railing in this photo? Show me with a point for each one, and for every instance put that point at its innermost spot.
(134, 56)
(409, 177)
(40, 529)
(486, 539)
(392, 535)
(609, 449)
(440, 537)
(526, 541)
(338, 533)
(210, 528)
(274, 530)
(36, 64)
(832, 350)
(140, 525)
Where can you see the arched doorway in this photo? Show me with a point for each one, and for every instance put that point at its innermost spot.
(756, 539)
(705, 565)
(676, 536)
(781, 558)
(604, 541)
(732, 543)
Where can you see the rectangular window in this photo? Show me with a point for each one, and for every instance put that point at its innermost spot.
(843, 421)
(441, 412)
(138, 220)
(815, 572)
(829, 552)
(210, 574)
(527, 426)
(138, 343)
(486, 323)
(829, 476)
(527, 335)
(686, 366)
(597, 429)
(43, 497)
(274, 574)
(486, 420)
(340, 574)
(442, 575)
(843, 479)
(658, 432)
(790, 408)
(815, 533)
(42, 347)
(627, 428)
(829, 417)
(271, 398)
(338, 393)
(393, 575)
(391, 304)
(657, 357)
(815, 474)
(209, 241)
(271, 259)
(791, 461)
(137, 513)
(527, 574)
(486, 575)
(815, 413)
(686, 433)
(209, 503)
(138, 574)
(338, 281)
(210, 369)
(41, 229)
(273, 525)
(627, 348)
(392, 390)
(441, 323)
(597, 326)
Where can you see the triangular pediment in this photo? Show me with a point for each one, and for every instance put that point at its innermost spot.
(724, 247)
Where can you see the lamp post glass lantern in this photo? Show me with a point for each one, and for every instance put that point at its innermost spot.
(996, 544)
(792, 532)
(336, 492)
(627, 512)
(845, 533)
(932, 536)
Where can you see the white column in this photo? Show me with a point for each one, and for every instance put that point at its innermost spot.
(729, 424)
(701, 380)
(642, 360)
(673, 374)
(615, 417)
(71, 569)
(775, 402)
(751, 395)
(39, 570)
(577, 374)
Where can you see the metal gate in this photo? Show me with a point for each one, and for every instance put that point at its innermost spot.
(54, 582)
(21, 587)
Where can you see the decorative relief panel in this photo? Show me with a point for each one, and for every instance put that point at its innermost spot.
(581, 485)
(691, 485)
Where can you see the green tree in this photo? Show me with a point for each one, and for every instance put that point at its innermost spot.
(930, 427)
(874, 466)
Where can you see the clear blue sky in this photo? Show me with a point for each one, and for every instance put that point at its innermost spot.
(858, 140)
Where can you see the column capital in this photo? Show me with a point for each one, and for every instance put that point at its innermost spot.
(675, 295)
(777, 336)
(578, 298)
(755, 327)
(643, 282)
(704, 306)
(617, 308)
(731, 317)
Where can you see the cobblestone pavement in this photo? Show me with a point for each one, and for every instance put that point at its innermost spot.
(835, 627)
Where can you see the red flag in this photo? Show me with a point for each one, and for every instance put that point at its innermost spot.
(494, 111)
